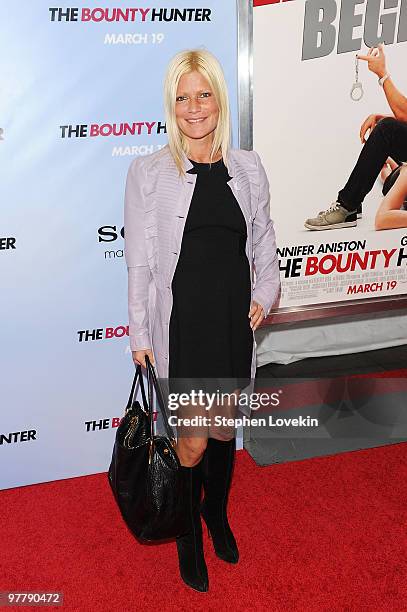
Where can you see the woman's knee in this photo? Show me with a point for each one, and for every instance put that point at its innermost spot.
(195, 447)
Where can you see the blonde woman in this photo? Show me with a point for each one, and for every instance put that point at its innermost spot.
(197, 228)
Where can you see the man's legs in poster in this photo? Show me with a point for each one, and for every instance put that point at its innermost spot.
(388, 139)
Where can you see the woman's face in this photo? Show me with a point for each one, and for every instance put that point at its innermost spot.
(196, 109)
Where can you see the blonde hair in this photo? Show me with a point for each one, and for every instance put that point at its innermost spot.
(209, 67)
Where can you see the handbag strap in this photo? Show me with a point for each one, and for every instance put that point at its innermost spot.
(152, 382)
(138, 374)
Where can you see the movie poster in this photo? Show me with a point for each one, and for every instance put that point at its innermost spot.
(333, 140)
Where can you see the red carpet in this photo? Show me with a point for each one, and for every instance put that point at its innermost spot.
(402, 373)
(326, 534)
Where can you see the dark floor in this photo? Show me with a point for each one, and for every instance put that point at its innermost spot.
(348, 424)
(394, 358)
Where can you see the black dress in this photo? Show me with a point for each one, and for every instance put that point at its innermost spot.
(209, 334)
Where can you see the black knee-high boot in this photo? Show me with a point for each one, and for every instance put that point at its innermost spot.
(218, 465)
(191, 558)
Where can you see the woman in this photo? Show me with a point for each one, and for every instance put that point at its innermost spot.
(390, 214)
(197, 226)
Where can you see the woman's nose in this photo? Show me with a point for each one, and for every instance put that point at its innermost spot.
(193, 105)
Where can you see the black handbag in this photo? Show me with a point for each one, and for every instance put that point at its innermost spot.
(144, 473)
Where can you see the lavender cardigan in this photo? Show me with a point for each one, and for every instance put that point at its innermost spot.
(157, 201)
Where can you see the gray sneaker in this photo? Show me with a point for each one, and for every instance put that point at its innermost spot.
(359, 211)
(335, 217)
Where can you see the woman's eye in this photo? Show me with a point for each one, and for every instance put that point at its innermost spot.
(204, 94)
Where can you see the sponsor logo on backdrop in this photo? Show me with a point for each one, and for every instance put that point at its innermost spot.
(95, 130)
(347, 24)
(7, 243)
(105, 130)
(131, 14)
(15, 437)
(111, 423)
(139, 16)
(111, 233)
(102, 333)
(102, 424)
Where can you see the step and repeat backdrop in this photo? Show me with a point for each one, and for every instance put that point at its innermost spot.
(310, 98)
(81, 96)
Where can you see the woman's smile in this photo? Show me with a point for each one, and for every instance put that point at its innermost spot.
(194, 95)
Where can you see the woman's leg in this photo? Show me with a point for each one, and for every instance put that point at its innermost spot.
(191, 449)
(191, 445)
(389, 215)
(226, 412)
(388, 168)
(192, 432)
(218, 464)
(191, 439)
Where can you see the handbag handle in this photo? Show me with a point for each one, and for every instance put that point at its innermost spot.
(138, 374)
(153, 382)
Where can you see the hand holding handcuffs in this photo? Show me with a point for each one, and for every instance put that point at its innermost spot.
(356, 93)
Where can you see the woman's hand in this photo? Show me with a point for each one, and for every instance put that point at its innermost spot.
(369, 124)
(256, 315)
(376, 60)
(139, 357)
